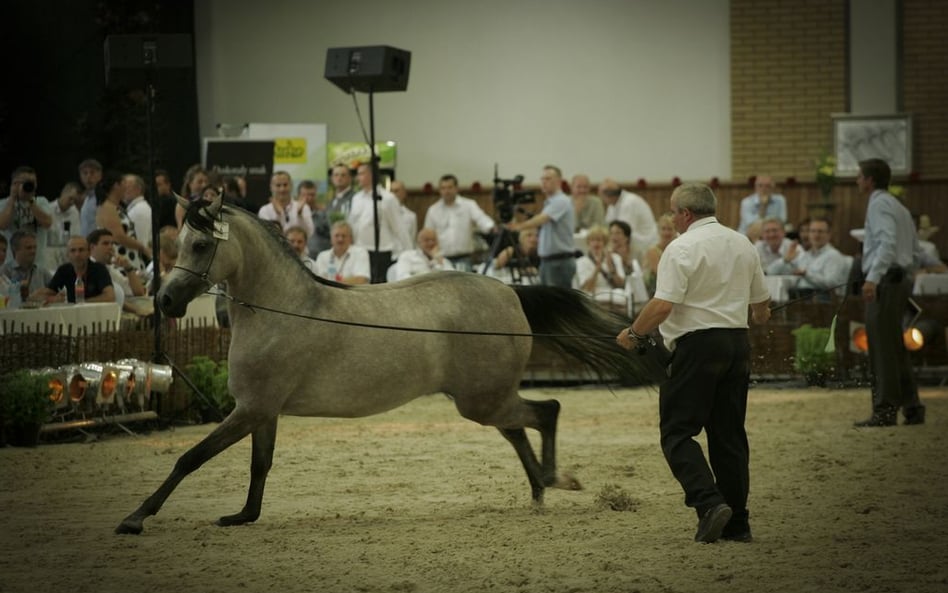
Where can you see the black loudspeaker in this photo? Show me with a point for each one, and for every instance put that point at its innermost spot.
(373, 69)
(128, 57)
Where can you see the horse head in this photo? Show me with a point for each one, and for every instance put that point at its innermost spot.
(199, 265)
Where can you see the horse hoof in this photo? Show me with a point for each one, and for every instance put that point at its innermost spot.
(232, 520)
(567, 481)
(129, 527)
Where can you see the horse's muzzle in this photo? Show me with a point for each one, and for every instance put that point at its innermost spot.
(170, 306)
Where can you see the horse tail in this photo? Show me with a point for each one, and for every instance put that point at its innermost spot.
(571, 324)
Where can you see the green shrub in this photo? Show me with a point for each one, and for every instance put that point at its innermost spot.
(210, 378)
(24, 398)
(811, 356)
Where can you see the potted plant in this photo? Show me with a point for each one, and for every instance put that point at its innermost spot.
(812, 359)
(24, 406)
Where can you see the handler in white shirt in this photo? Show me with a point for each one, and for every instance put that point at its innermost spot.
(454, 218)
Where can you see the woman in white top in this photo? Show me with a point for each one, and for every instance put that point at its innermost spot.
(599, 273)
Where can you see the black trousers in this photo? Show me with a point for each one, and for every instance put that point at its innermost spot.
(379, 261)
(890, 368)
(707, 389)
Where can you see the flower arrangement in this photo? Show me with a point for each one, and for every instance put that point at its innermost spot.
(826, 174)
(897, 190)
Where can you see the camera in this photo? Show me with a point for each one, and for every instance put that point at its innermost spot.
(507, 198)
(29, 186)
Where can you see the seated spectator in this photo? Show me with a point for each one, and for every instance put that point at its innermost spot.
(666, 234)
(820, 268)
(620, 243)
(297, 239)
(590, 210)
(774, 245)
(344, 262)
(762, 204)
(426, 258)
(126, 279)
(96, 279)
(800, 234)
(520, 263)
(930, 260)
(754, 231)
(23, 269)
(600, 273)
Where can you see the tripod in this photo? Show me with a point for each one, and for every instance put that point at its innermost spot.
(521, 272)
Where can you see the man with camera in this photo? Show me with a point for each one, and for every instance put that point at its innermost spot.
(24, 210)
(556, 222)
(454, 219)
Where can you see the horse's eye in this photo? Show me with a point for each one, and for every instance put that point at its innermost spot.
(201, 246)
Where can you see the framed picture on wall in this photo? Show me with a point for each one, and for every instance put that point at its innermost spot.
(859, 137)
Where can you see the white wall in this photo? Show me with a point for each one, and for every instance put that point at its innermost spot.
(622, 88)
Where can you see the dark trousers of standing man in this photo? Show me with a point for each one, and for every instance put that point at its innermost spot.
(707, 389)
(379, 261)
(890, 368)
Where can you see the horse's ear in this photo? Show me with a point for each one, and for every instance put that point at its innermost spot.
(182, 202)
(214, 208)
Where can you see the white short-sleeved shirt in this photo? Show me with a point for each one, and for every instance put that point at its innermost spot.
(355, 262)
(711, 273)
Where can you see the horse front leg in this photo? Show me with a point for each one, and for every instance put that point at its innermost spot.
(235, 427)
(261, 459)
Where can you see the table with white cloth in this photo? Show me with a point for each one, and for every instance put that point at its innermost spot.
(780, 286)
(61, 318)
(934, 284)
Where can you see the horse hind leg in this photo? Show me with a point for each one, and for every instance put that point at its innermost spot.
(542, 417)
(264, 440)
(235, 427)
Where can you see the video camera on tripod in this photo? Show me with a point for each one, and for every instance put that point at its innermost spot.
(507, 197)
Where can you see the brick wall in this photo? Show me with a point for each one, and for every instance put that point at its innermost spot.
(788, 75)
(924, 88)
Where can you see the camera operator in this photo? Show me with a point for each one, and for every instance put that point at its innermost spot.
(454, 218)
(24, 210)
(556, 222)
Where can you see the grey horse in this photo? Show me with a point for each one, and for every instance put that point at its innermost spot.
(370, 348)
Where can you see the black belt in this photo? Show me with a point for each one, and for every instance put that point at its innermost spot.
(556, 256)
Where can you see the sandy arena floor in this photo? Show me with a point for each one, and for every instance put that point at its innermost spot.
(420, 500)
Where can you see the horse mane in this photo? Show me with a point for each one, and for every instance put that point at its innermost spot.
(195, 217)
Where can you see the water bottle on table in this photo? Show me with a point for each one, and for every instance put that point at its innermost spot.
(80, 290)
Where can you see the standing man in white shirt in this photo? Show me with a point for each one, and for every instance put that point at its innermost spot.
(282, 208)
(137, 207)
(454, 218)
(24, 210)
(392, 237)
(409, 218)
(633, 210)
(65, 224)
(90, 174)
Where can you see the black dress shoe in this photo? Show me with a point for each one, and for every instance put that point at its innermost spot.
(875, 420)
(712, 523)
(915, 417)
(742, 536)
